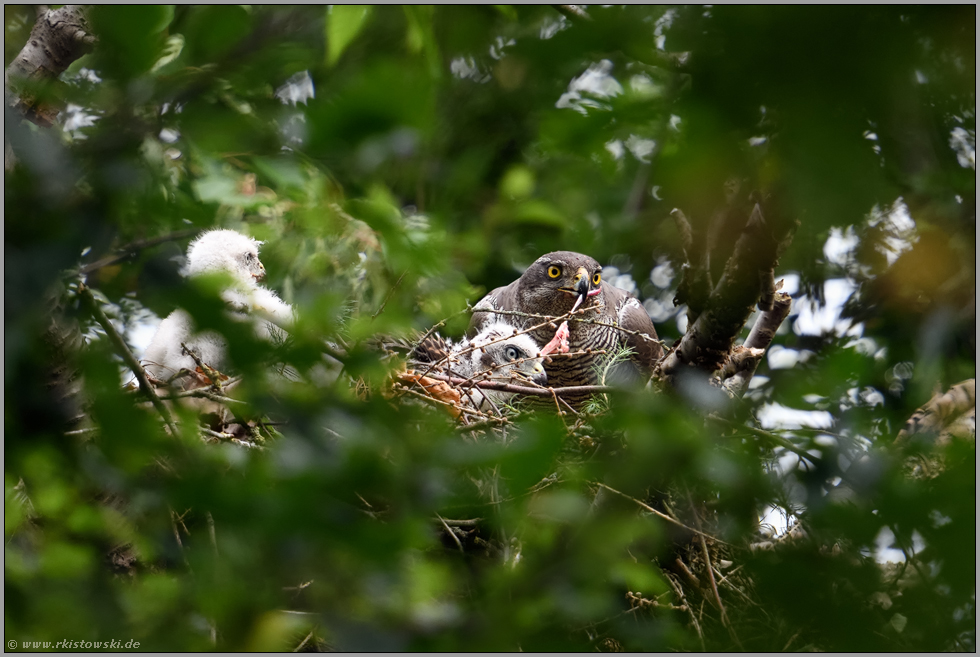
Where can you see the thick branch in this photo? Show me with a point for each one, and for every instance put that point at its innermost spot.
(59, 38)
(695, 284)
(760, 338)
(708, 342)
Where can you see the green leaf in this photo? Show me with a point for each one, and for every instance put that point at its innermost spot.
(421, 37)
(538, 212)
(130, 37)
(518, 182)
(507, 11)
(344, 23)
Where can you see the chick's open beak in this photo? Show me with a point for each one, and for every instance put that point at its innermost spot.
(539, 376)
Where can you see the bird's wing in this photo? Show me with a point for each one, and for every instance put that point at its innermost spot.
(503, 298)
(432, 349)
(626, 311)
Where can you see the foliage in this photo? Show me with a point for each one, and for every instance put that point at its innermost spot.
(399, 162)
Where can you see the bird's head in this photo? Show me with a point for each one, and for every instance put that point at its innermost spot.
(229, 251)
(506, 355)
(560, 281)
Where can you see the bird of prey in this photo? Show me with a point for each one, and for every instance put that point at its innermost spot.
(216, 251)
(606, 319)
(497, 353)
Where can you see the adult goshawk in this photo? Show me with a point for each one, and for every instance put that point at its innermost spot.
(607, 319)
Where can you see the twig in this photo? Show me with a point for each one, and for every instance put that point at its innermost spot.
(214, 376)
(724, 582)
(691, 577)
(771, 437)
(910, 558)
(444, 362)
(711, 575)
(129, 251)
(549, 319)
(435, 327)
(228, 438)
(679, 590)
(388, 296)
(484, 424)
(451, 533)
(647, 602)
(213, 534)
(300, 587)
(509, 387)
(554, 396)
(469, 522)
(334, 352)
(658, 513)
(453, 408)
(173, 524)
(791, 640)
(174, 519)
(123, 350)
(81, 432)
(303, 642)
(205, 393)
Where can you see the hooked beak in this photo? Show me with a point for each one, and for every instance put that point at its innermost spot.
(539, 376)
(582, 287)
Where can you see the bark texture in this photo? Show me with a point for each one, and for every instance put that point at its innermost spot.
(60, 36)
(747, 279)
(760, 338)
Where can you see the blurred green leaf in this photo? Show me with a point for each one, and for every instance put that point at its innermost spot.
(344, 23)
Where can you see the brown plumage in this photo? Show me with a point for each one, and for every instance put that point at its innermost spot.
(551, 286)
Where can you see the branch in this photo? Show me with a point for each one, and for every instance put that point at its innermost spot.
(708, 342)
(131, 249)
(695, 285)
(58, 38)
(573, 13)
(773, 439)
(509, 387)
(711, 575)
(663, 516)
(486, 424)
(760, 338)
(123, 350)
(204, 393)
(679, 590)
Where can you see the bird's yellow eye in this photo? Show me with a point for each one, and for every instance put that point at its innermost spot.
(554, 272)
(596, 277)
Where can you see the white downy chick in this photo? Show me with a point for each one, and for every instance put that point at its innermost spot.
(498, 354)
(216, 251)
